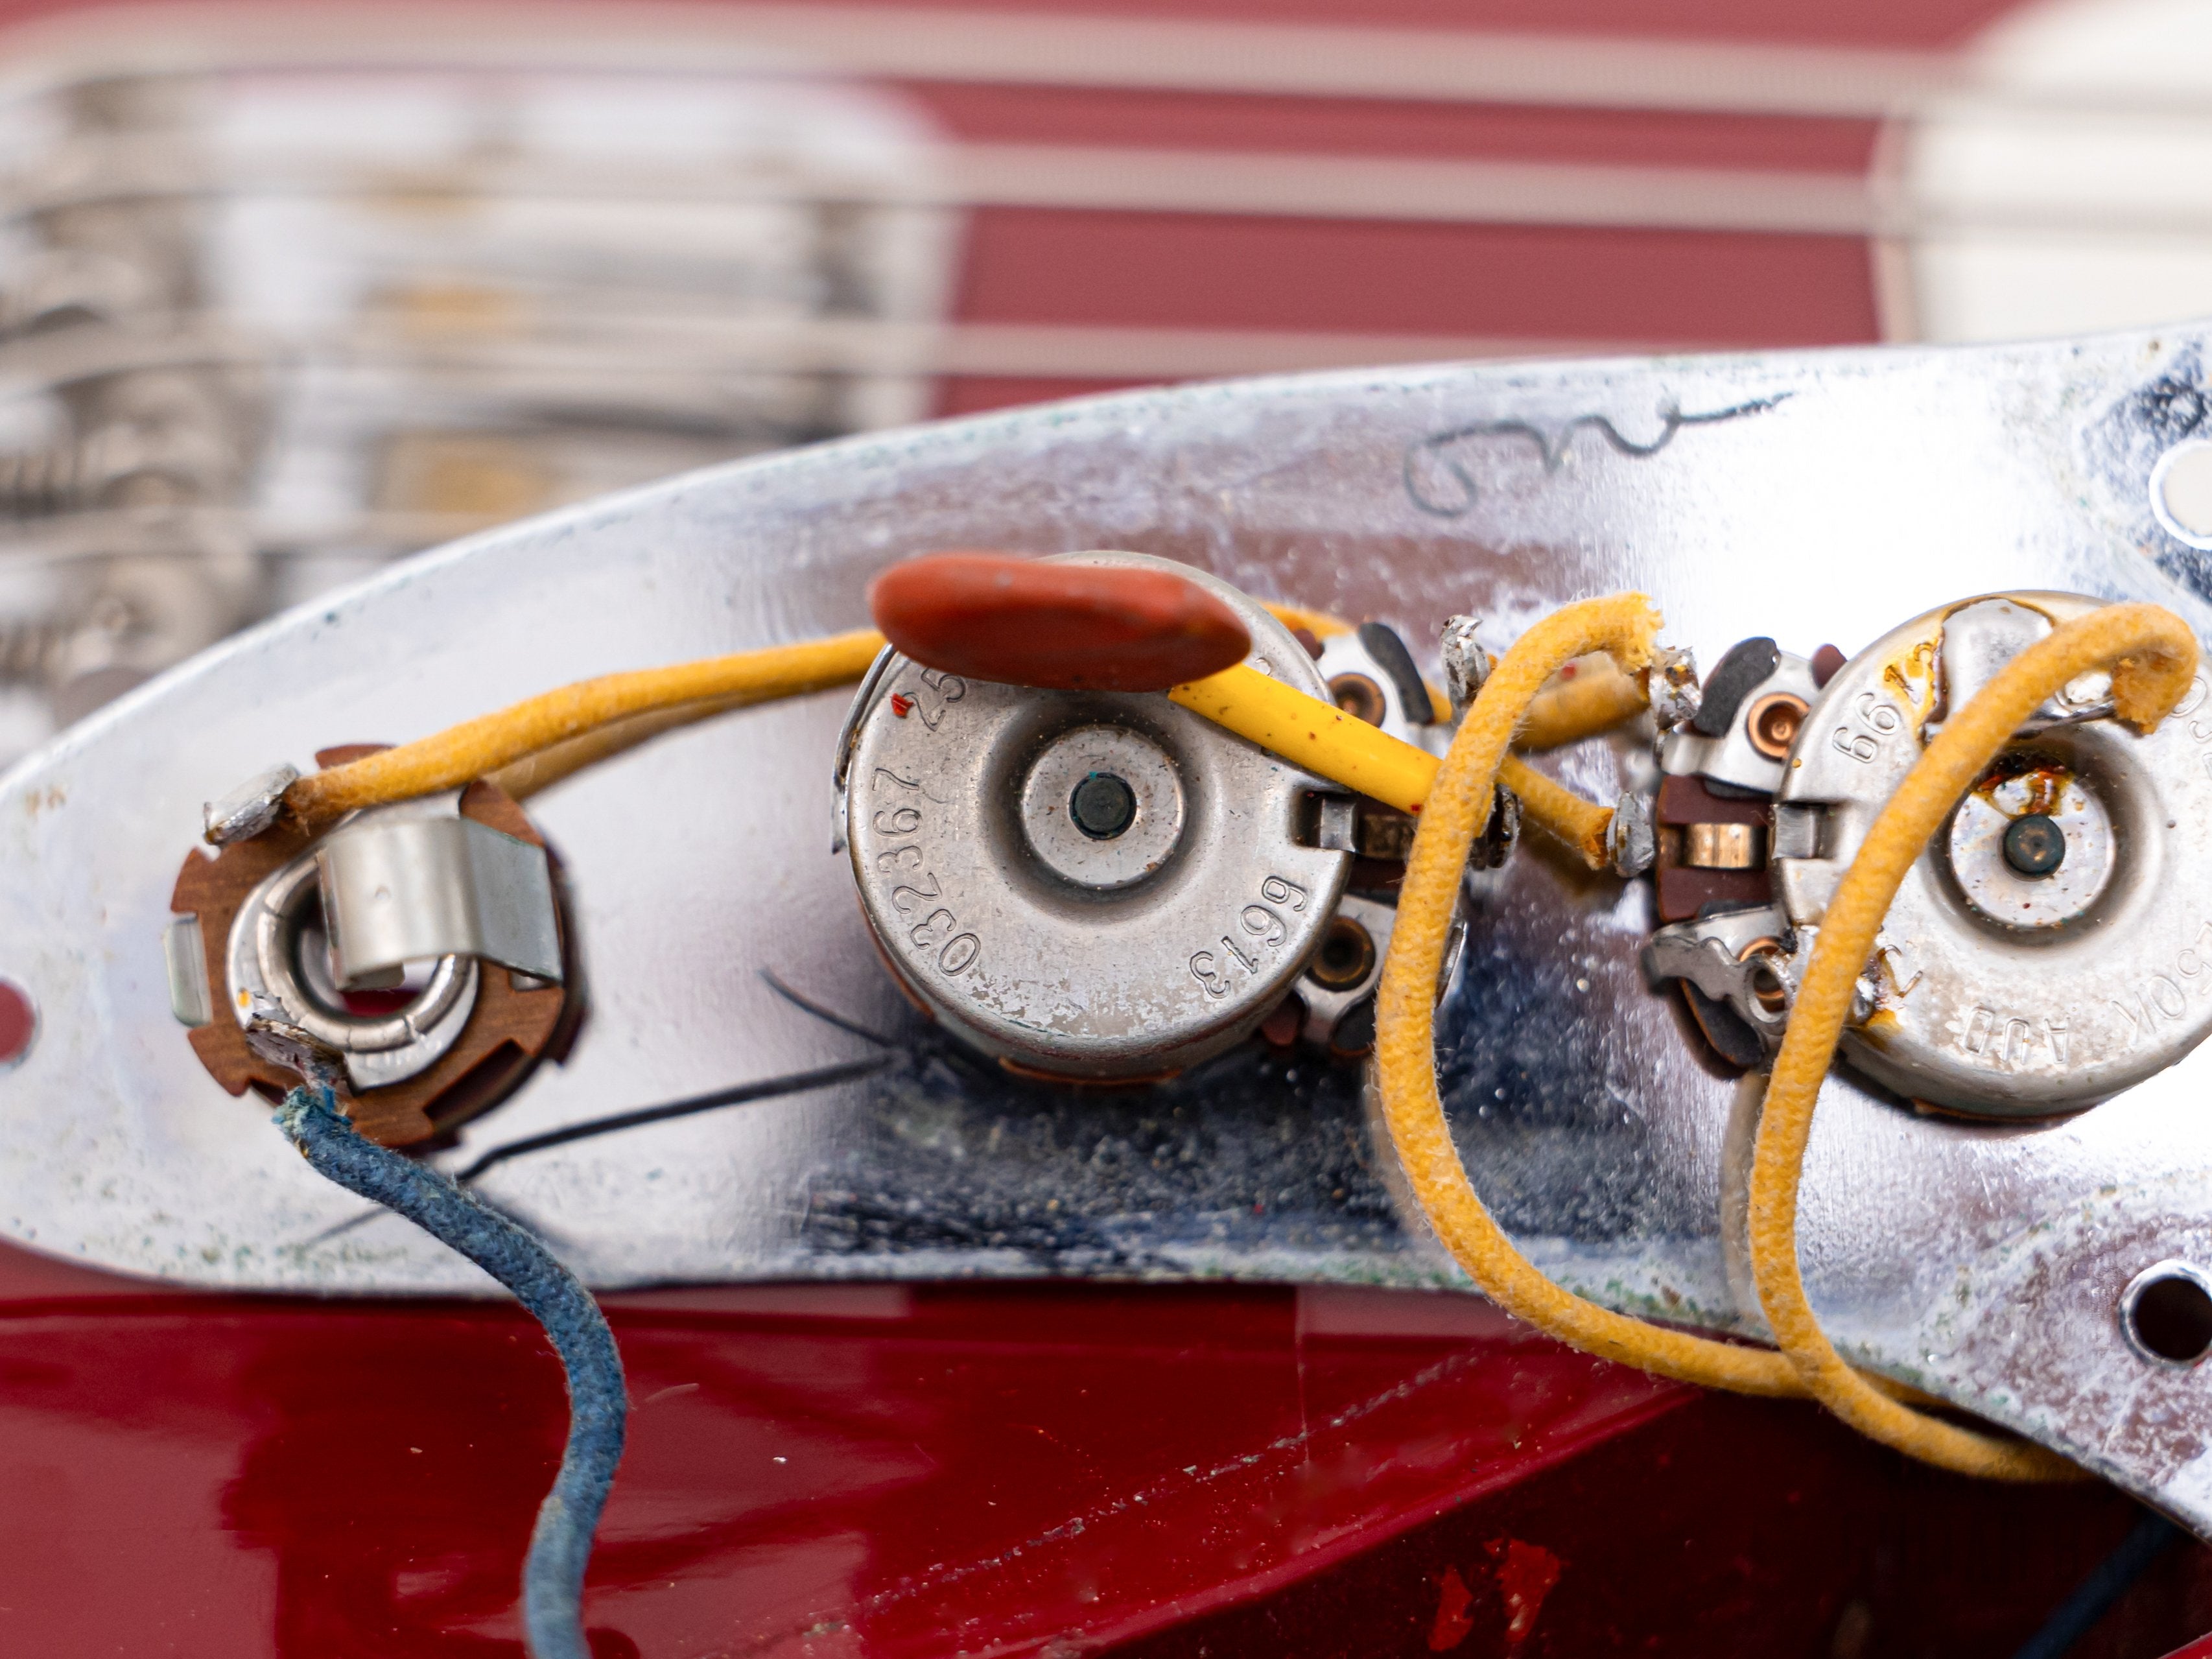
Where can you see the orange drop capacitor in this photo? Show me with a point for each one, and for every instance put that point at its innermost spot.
(1063, 627)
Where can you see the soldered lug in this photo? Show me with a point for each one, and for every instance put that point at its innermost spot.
(1466, 664)
(1372, 676)
(1337, 991)
(1345, 971)
(1499, 836)
(1631, 843)
(1671, 683)
(1865, 999)
(250, 808)
(1979, 639)
(293, 1047)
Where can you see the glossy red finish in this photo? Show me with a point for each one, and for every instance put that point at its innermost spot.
(871, 1470)
(1729, 1526)
(307, 1478)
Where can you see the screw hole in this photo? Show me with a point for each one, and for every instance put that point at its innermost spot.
(2168, 1313)
(1768, 990)
(2181, 492)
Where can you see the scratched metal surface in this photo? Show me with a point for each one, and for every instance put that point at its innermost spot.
(1814, 497)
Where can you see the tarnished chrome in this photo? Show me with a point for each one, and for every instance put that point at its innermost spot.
(1130, 957)
(248, 809)
(1998, 991)
(277, 967)
(400, 887)
(1984, 1263)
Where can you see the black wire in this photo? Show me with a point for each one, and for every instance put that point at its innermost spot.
(744, 1093)
(828, 1016)
(796, 1082)
(2108, 1581)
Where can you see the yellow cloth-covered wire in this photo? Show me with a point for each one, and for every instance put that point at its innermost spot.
(1325, 740)
(1319, 623)
(1598, 698)
(1317, 736)
(1561, 813)
(463, 753)
(543, 739)
(1404, 1053)
(2151, 654)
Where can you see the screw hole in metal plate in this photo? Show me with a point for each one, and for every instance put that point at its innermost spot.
(2181, 492)
(2167, 1312)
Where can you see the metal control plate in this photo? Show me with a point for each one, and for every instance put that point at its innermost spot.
(1809, 497)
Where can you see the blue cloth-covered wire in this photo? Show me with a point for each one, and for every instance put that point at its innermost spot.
(561, 1543)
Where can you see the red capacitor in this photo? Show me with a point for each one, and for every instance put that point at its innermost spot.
(1067, 627)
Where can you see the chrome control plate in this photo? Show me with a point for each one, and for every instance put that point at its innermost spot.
(1810, 497)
